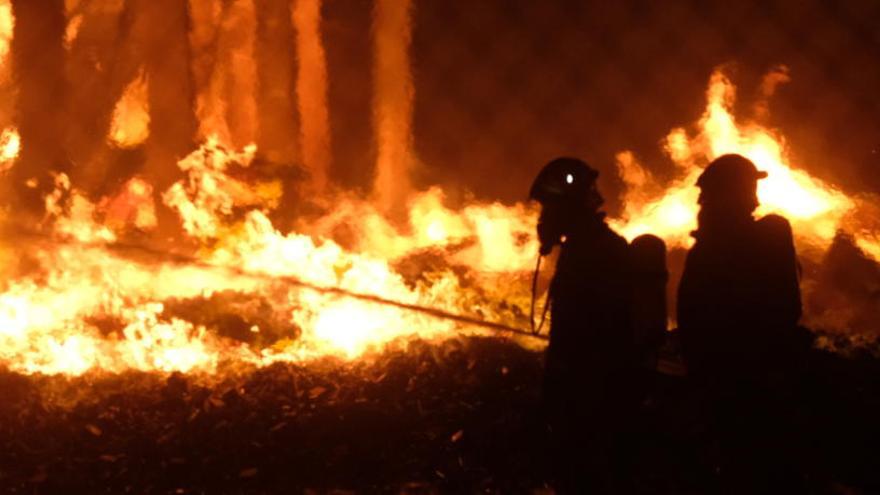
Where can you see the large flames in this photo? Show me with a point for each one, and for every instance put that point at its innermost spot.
(89, 293)
(93, 305)
(816, 209)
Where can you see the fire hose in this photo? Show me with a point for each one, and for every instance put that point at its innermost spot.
(184, 259)
(536, 329)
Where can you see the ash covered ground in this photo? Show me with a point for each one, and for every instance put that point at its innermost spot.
(459, 416)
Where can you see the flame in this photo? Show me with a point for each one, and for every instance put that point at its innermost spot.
(89, 307)
(130, 126)
(10, 146)
(71, 32)
(7, 26)
(76, 300)
(132, 207)
(816, 209)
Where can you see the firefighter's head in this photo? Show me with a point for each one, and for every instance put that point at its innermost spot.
(566, 190)
(730, 184)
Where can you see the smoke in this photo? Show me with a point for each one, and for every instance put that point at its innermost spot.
(311, 92)
(394, 95)
(771, 81)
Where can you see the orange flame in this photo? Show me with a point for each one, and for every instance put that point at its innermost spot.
(7, 26)
(91, 308)
(80, 306)
(815, 208)
(130, 126)
(10, 146)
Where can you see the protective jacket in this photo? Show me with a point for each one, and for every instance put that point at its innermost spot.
(738, 299)
(590, 296)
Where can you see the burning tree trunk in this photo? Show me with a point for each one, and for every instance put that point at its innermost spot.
(394, 94)
(138, 91)
(274, 56)
(92, 63)
(38, 58)
(222, 39)
(203, 39)
(236, 52)
(311, 91)
(172, 123)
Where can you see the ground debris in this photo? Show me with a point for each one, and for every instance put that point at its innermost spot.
(434, 418)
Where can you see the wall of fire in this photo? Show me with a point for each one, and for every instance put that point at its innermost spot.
(498, 87)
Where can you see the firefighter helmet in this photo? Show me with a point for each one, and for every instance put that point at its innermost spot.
(563, 180)
(730, 172)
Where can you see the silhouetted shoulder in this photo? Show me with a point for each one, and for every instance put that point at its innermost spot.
(649, 245)
(775, 227)
(617, 243)
(619, 240)
(776, 223)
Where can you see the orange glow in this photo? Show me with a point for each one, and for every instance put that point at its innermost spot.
(89, 307)
(71, 32)
(81, 301)
(131, 118)
(311, 91)
(394, 94)
(7, 25)
(816, 209)
(10, 146)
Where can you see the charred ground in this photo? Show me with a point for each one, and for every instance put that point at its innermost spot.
(459, 416)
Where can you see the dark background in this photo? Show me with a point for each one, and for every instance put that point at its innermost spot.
(502, 86)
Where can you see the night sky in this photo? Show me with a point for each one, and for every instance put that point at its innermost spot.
(502, 86)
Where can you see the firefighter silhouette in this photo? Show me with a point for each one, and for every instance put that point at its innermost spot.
(592, 351)
(738, 310)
